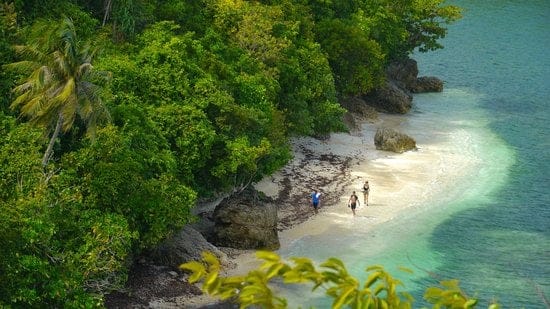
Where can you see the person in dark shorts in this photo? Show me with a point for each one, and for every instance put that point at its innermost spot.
(366, 190)
(315, 200)
(353, 202)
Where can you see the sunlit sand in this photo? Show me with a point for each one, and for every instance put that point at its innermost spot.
(399, 182)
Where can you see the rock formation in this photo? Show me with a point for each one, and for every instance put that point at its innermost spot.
(427, 84)
(394, 96)
(390, 98)
(186, 245)
(392, 140)
(246, 221)
(405, 74)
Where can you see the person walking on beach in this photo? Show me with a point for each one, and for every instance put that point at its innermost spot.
(366, 190)
(353, 202)
(315, 200)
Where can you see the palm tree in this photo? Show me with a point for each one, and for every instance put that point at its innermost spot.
(60, 87)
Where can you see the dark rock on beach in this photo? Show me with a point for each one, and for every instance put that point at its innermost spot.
(246, 221)
(186, 245)
(404, 73)
(392, 140)
(390, 98)
(395, 95)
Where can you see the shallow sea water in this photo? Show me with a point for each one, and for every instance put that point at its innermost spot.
(484, 217)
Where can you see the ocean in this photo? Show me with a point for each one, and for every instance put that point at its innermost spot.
(484, 218)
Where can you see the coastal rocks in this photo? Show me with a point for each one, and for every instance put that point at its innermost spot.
(357, 112)
(186, 245)
(392, 140)
(390, 98)
(427, 84)
(404, 73)
(395, 95)
(359, 108)
(246, 221)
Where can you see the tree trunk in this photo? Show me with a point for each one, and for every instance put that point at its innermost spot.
(49, 151)
(107, 12)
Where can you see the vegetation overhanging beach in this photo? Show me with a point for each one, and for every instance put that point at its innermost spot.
(102, 161)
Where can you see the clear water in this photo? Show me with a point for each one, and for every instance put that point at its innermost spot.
(491, 227)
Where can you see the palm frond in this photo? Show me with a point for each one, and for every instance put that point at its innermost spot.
(29, 52)
(67, 92)
(22, 66)
(60, 84)
(33, 107)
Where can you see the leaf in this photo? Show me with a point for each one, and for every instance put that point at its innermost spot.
(372, 278)
(344, 298)
(334, 263)
(379, 289)
(197, 269)
(268, 256)
(274, 270)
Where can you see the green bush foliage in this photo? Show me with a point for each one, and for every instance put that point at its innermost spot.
(379, 290)
(203, 97)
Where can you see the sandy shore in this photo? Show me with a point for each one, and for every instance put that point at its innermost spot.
(400, 184)
(340, 165)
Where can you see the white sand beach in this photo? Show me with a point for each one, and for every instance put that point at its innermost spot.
(399, 182)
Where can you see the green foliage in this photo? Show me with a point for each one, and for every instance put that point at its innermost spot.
(112, 176)
(355, 59)
(20, 148)
(204, 96)
(60, 85)
(43, 265)
(189, 134)
(8, 27)
(403, 26)
(379, 290)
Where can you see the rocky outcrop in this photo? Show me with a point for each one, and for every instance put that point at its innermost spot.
(392, 140)
(427, 84)
(357, 111)
(390, 98)
(186, 245)
(404, 73)
(395, 96)
(358, 107)
(246, 221)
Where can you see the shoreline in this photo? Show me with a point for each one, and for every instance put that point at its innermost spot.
(400, 186)
(399, 183)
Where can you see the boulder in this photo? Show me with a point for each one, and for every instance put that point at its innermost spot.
(403, 72)
(427, 84)
(392, 140)
(186, 245)
(390, 98)
(359, 108)
(246, 221)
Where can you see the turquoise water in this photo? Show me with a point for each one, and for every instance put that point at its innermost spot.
(491, 228)
(501, 247)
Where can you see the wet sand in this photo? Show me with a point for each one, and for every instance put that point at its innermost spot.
(399, 182)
